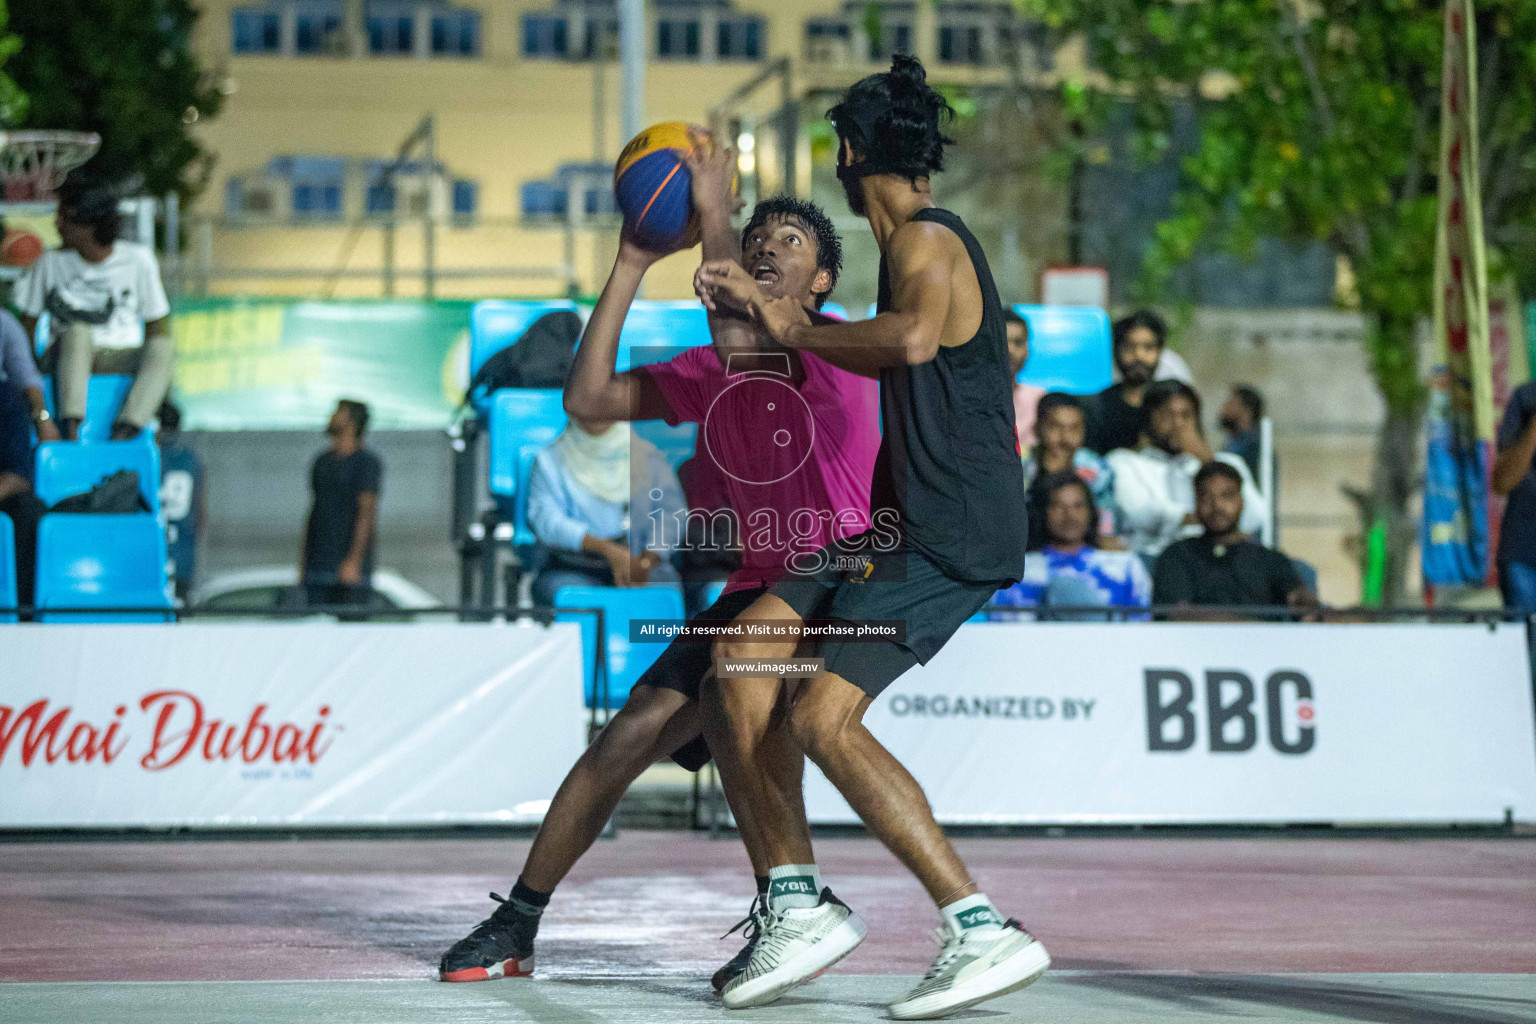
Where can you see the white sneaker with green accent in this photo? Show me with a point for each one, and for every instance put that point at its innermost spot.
(973, 968)
(794, 946)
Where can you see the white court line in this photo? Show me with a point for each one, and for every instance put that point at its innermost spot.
(619, 979)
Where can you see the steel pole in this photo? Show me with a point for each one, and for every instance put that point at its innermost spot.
(632, 37)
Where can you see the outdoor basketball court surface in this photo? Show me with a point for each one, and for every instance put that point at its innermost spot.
(1144, 929)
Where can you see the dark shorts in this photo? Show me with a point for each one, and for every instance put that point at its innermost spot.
(902, 585)
(682, 666)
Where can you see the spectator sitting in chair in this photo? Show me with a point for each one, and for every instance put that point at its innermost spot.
(1071, 569)
(1059, 450)
(1026, 397)
(108, 310)
(1240, 417)
(1114, 414)
(1223, 567)
(21, 411)
(342, 533)
(1154, 485)
(579, 508)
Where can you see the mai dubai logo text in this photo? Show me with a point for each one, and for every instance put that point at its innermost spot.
(180, 729)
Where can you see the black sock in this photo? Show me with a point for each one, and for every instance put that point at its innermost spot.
(528, 901)
(762, 885)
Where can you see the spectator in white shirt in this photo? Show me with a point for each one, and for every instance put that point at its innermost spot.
(107, 307)
(1155, 484)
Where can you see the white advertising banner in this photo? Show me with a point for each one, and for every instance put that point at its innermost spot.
(1213, 723)
(285, 724)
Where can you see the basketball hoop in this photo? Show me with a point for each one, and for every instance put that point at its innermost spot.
(33, 163)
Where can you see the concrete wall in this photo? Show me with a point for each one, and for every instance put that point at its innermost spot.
(1313, 368)
(258, 497)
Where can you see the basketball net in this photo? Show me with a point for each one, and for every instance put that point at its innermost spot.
(33, 163)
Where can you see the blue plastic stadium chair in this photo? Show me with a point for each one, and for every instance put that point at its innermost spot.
(654, 331)
(836, 309)
(101, 561)
(497, 324)
(625, 662)
(521, 418)
(874, 307)
(676, 443)
(104, 396)
(7, 568)
(69, 467)
(1069, 349)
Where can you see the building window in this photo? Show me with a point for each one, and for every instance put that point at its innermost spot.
(466, 199)
(677, 37)
(826, 39)
(392, 35)
(543, 35)
(456, 34)
(740, 39)
(379, 200)
(317, 31)
(256, 30)
(542, 199)
(892, 39)
(961, 44)
(247, 199)
(599, 38)
(317, 200)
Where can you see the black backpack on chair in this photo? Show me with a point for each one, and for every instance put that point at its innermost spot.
(541, 358)
(117, 494)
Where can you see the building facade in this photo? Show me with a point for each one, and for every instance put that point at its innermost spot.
(325, 183)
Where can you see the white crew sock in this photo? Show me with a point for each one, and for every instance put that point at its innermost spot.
(793, 886)
(974, 915)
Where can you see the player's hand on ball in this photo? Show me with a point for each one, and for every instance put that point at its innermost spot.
(712, 168)
(637, 255)
(724, 287)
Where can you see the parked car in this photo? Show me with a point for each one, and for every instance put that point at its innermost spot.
(276, 589)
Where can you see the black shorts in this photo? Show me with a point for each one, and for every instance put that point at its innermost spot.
(682, 666)
(901, 584)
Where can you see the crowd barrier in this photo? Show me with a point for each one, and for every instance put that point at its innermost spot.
(286, 724)
(216, 723)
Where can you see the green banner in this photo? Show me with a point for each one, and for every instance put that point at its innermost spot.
(267, 364)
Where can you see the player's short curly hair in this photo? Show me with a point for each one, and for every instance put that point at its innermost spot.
(829, 247)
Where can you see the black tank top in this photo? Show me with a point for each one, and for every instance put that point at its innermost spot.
(949, 459)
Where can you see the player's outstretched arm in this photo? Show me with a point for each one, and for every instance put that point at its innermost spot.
(595, 390)
(920, 263)
(712, 169)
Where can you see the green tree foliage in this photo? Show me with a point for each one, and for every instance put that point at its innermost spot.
(124, 69)
(13, 101)
(1319, 119)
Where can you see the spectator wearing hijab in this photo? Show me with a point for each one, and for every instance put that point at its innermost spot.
(602, 521)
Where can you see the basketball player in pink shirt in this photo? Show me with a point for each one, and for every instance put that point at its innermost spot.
(795, 439)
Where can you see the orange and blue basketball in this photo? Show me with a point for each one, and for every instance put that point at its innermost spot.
(653, 187)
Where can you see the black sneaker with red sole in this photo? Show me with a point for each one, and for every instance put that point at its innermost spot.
(501, 946)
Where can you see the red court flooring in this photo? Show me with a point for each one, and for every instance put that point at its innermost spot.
(650, 905)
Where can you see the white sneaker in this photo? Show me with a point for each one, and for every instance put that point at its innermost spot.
(971, 969)
(795, 946)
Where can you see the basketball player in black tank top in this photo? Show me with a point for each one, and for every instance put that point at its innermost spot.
(948, 504)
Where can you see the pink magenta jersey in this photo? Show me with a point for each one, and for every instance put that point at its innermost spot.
(796, 461)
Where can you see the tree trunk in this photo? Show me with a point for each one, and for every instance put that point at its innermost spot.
(1396, 473)
(1395, 478)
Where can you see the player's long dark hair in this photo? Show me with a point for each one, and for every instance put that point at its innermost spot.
(893, 119)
